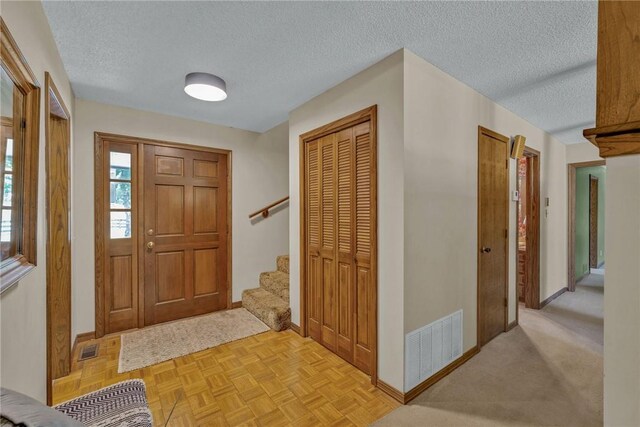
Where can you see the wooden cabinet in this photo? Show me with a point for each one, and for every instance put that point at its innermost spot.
(617, 130)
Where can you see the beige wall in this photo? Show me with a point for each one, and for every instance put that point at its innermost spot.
(23, 308)
(427, 153)
(583, 152)
(622, 297)
(380, 84)
(440, 174)
(260, 176)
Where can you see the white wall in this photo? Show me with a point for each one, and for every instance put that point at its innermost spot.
(380, 84)
(23, 308)
(259, 177)
(441, 139)
(583, 152)
(622, 298)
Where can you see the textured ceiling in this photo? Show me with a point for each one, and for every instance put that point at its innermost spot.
(537, 59)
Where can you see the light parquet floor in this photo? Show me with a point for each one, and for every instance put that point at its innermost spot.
(271, 379)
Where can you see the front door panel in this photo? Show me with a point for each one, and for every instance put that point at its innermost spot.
(185, 238)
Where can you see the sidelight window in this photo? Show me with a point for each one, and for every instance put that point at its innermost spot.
(120, 195)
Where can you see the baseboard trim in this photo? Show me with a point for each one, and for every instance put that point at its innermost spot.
(295, 328)
(236, 304)
(407, 397)
(80, 338)
(391, 391)
(415, 392)
(554, 296)
(512, 325)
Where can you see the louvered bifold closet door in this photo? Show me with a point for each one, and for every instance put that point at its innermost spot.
(345, 248)
(339, 206)
(364, 247)
(328, 221)
(313, 270)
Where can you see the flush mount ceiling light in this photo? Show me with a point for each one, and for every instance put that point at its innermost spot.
(205, 86)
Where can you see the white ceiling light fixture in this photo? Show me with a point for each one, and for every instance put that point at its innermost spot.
(205, 86)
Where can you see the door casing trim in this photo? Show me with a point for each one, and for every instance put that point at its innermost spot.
(369, 114)
(100, 238)
(58, 292)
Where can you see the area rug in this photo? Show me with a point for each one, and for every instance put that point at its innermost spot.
(120, 405)
(158, 343)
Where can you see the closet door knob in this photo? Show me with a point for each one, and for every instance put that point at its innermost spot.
(486, 250)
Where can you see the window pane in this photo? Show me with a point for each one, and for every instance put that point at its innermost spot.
(7, 190)
(120, 166)
(120, 225)
(120, 195)
(5, 235)
(8, 160)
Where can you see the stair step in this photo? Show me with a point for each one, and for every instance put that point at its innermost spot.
(277, 283)
(273, 311)
(283, 263)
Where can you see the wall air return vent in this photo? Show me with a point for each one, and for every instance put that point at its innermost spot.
(431, 348)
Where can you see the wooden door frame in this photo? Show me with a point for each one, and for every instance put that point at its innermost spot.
(571, 246)
(369, 114)
(533, 246)
(100, 238)
(58, 288)
(593, 178)
(488, 132)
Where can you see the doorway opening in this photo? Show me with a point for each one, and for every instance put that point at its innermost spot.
(586, 221)
(528, 244)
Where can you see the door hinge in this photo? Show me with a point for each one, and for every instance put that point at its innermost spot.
(23, 124)
(506, 303)
(506, 164)
(506, 233)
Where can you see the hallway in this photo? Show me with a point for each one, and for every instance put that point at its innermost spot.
(546, 371)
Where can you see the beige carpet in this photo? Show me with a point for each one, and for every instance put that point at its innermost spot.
(545, 372)
(158, 343)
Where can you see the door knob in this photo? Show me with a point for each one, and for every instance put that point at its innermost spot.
(486, 250)
(150, 245)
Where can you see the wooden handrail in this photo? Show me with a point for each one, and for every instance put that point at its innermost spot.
(265, 211)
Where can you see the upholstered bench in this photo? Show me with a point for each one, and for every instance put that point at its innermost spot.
(122, 404)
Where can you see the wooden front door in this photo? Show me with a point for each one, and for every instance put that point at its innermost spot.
(593, 221)
(162, 234)
(185, 220)
(339, 223)
(493, 225)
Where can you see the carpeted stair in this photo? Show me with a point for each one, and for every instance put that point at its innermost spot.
(270, 302)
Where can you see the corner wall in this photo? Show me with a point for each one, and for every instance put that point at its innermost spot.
(380, 84)
(23, 307)
(259, 177)
(622, 296)
(440, 204)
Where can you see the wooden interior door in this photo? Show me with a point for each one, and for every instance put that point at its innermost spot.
(493, 226)
(593, 221)
(185, 233)
(339, 218)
